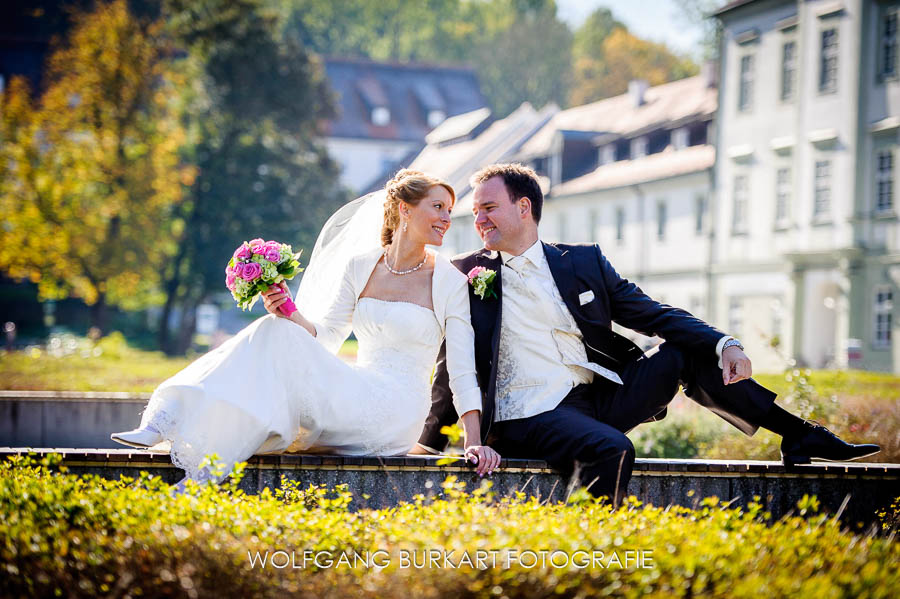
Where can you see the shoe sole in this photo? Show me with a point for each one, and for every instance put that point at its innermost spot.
(129, 443)
(790, 461)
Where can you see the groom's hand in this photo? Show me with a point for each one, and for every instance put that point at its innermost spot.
(485, 459)
(735, 365)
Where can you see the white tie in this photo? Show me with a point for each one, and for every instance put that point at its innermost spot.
(517, 263)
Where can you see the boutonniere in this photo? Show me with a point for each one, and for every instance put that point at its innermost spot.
(482, 281)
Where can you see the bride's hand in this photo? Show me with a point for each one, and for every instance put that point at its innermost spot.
(485, 459)
(274, 297)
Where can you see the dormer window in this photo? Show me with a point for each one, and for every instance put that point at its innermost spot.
(436, 117)
(432, 101)
(376, 100)
(381, 116)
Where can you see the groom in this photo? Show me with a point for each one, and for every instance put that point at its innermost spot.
(559, 385)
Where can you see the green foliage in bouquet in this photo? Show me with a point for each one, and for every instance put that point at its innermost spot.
(256, 266)
(83, 536)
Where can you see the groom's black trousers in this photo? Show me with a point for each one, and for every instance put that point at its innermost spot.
(584, 435)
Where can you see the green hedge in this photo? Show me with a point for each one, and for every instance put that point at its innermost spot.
(84, 536)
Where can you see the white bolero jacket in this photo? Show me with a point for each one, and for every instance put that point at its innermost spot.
(450, 297)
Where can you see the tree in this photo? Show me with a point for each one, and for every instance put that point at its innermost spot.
(590, 36)
(624, 57)
(698, 13)
(519, 48)
(255, 105)
(526, 58)
(90, 170)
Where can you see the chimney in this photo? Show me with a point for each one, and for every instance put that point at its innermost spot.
(636, 90)
(710, 73)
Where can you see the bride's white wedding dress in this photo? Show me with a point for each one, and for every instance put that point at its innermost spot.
(274, 387)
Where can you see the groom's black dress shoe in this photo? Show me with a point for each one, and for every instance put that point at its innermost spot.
(819, 442)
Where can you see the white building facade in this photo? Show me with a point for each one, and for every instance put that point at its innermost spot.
(806, 256)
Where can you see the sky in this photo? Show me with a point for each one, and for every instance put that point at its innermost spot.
(656, 20)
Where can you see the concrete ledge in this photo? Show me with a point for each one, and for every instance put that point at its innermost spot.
(26, 395)
(67, 418)
(388, 480)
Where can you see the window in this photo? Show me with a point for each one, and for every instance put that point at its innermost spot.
(739, 213)
(661, 217)
(828, 64)
(884, 181)
(436, 117)
(889, 44)
(696, 304)
(822, 187)
(699, 213)
(735, 317)
(883, 308)
(680, 138)
(788, 70)
(777, 320)
(594, 224)
(638, 147)
(563, 226)
(381, 116)
(608, 154)
(782, 196)
(620, 225)
(745, 93)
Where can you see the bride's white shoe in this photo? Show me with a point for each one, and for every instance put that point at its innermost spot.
(141, 438)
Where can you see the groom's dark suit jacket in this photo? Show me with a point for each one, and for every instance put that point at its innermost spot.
(576, 269)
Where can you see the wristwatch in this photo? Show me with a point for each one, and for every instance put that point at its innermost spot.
(731, 343)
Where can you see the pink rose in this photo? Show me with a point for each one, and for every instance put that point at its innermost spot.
(273, 255)
(243, 252)
(259, 248)
(475, 272)
(229, 281)
(251, 271)
(238, 269)
(256, 241)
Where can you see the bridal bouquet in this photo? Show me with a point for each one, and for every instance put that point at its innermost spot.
(257, 265)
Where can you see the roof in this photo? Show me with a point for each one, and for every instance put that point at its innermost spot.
(664, 105)
(456, 162)
(662, 165)
(408, 90)
(458, 127)
(731, 6)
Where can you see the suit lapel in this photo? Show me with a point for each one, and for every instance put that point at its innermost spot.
(563, 271)
(486, 316)
(486, 312)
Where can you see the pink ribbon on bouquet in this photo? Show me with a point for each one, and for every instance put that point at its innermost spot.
(288, 307)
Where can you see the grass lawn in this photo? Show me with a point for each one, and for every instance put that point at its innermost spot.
(110, 365)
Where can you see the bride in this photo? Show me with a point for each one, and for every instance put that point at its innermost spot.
(278, 386)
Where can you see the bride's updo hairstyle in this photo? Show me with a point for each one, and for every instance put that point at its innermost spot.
(408, 186)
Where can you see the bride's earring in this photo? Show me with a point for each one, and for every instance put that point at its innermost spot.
(405, 225)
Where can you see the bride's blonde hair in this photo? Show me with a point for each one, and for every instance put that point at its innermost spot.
(408, 186)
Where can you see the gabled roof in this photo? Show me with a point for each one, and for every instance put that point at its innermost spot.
(670, 163)
(456, 162)
(409, 91)
(459, 126)
(731, 6)
(665, 105)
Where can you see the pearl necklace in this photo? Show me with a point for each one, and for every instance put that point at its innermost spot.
(404, 272)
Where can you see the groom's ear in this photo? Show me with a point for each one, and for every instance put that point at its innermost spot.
(524, 206)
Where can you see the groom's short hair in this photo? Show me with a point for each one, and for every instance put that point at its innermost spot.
(521, 182)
